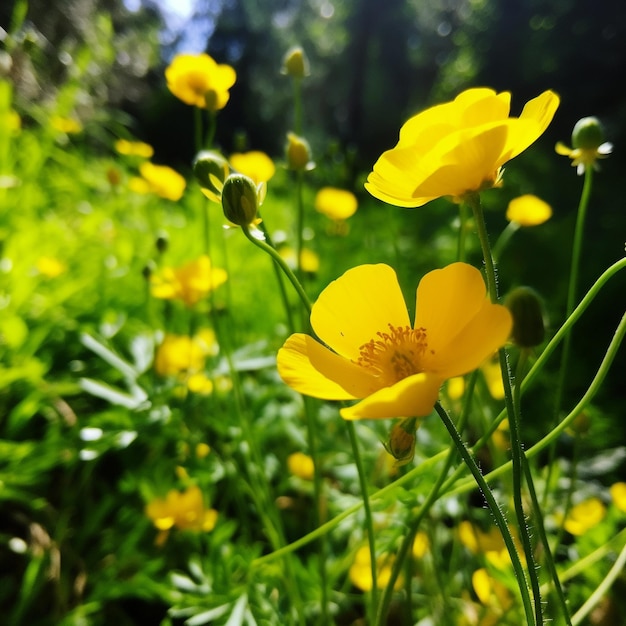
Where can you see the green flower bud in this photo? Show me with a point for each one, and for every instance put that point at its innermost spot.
(588, 133)
(527, 311)
(401, 443)
(240, 199)
(210, 169)
(298, 153)
(162, 242)
(295, 63)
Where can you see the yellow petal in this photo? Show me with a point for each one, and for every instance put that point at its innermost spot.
(353, 308)
(414, 396)
(310, 368)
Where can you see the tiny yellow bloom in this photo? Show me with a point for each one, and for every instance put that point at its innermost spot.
(254, 164)
(492, 374)
(188, 283)
(160, 180)
(374, 354)
(301, 465)
(298, 153)
(457, 148)
(200, 383)
(203, 450)
(134, 148)
(178, 354)
(360, 573)
(584, 516)
(421, 545)
(296, 63)
(618, 495)
(490, 591)
(66, 125)
(528, 210)
(336, 204)
(490, 544)
(50, 267)
(456, 387)
(309, 260)
(199, 81)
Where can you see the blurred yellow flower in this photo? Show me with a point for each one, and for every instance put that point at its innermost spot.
(490, 544)
(188, 283)
(309, 260)
(296, 63)
(184, 510)
(254, 164)
(65, 125)
(199, 81)
(160, 180)
(301, 465)
(528, 210)
(584, 516)
(202, 450)
(10, 120)
(618, 495)
(492, 374)
(298, 153)
(360, 573)
(134, 148)
(178, 354)
(50, 267)
(421, 545)
(336, 204)
(491, 592)
(374, 355)
(457, 148)
(200, 383)
(456, 387)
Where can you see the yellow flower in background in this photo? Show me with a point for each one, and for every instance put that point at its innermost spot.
(66, 125)
(490, 543)
(492, 373)
(457, 148)
(360, 572)
(254, 164)
(160, 180)
(184, 510)
(301, 465)
(421, 545)
(189, 283)
(618, 495)
(528, 210)
(584, 516)
(298, 153)
(309, 260)
(491, 593)
(10, 120)
(178, 354)
(134, 148)
(374, 354)
(199, 81)
(50, 267)
(336, 204)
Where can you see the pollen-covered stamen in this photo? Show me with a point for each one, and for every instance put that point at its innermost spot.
(394, 355)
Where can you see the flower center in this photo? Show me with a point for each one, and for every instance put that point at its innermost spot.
(394, 355)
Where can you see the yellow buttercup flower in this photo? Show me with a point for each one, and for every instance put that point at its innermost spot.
(160, 180)
(374, 354)
(457, 148)
(528, 210)
(309, 260)
(584, 516)
(336, 204)
(199, 81)
(361, 570)
(618, 495)
(301, 465)
(50, 267)
(254, 164)
(178, 354)
(134, 148)
(189, 283)
(67, 125)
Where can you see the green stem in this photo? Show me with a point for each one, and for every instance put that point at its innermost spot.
(460, 252)
(495, 511)
(211, 128)
(299, 221)
(503, 240)
(197, 128)
(297, 106)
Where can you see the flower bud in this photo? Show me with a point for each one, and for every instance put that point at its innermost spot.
(162, 242)
(210, 169)
(401, 443)
(296, 63)
(240, 200)
(527, 311)
(298, 153)
(588, 133)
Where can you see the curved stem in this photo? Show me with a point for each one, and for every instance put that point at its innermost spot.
(503, 240)
(494, 507)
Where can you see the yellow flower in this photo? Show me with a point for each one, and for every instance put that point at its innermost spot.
(298, 153)
(188, 283)
(421, 545)
(491, 592)
(134, 148)
(490, 544)
(198, 80)
(528, 210)
(254, 164)
(618, 495)
(492, 374)
(178, 354)
(377, 357)
(361, 570)
(309, 260)
(584, 516)
(66, 125)
(296, 63)
(50, 267)
(184, 510)
(301, 465)
(459, 147)
(160, 180)
(336, 204)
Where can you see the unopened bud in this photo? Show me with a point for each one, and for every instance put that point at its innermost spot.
(527, 311)
(210, 169)
(295, 63)
(162, 242)
(240, 200)
(588, 133)
(401, 443)
(298, 153)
